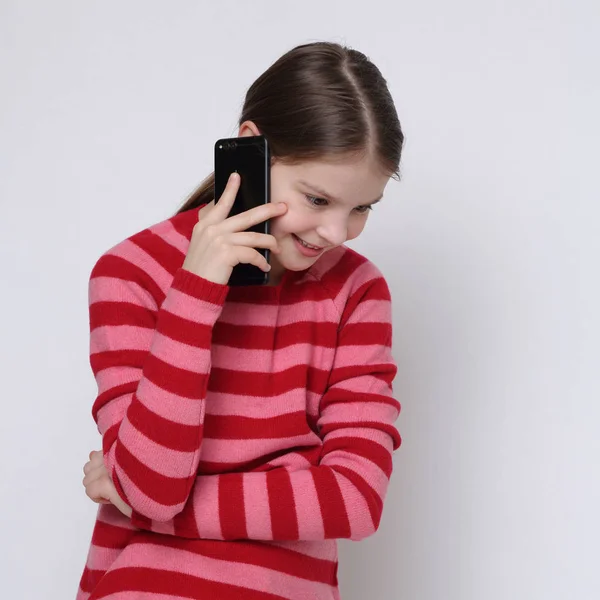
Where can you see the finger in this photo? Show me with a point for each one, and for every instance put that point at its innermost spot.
(205, 210)
(253, 239)
(97, 459)
(254, 216)
(98, 492)
(224, 203)
(249, 256)
(92, 475)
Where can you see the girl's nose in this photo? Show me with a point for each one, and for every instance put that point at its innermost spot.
(334, 232)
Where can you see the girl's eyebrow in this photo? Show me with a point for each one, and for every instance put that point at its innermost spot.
(326, 196)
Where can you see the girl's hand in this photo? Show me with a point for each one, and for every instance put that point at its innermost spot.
(99, 486)
(220, 242)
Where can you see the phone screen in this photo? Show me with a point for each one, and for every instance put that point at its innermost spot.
(250, 157)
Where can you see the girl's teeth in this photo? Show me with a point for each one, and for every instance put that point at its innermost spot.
(307, 245)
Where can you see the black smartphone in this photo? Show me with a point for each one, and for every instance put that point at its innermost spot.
(251, 158)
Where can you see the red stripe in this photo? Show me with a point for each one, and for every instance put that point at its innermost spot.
(121, 313)
(111, 394)
(384, 371)
(265, 385)
(159, 581)
(111, 536)
(337, 277)
(282, 560)
(173, 379)
(110, 437)
(198, 335)
(366, 334)
(117, 358)
(364, 448)
(166, 255)
(90, 578)
(166, 433)
(184, 222)
(185, 524)
(331, 502)
(377, 425)
(230, 427)
(168, 377)
(119, 268)
(266, 338)
(231, 506)
(168, 491)
(371, 496)
(284, 521)
(260, 464)
(342, 396)
(375, 289)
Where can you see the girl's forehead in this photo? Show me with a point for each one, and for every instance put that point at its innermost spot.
(340, 179)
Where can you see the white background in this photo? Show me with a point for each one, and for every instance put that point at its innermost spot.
(108, 113)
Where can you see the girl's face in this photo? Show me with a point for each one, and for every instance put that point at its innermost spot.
(328, 204)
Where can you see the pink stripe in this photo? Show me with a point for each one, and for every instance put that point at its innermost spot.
(256, 505)
(292, 461)
(349, 356)
(321, 311)
(362, 275)
(270, 361)
(102, 558)
(109, 289)
(364, 384)
(230, 572)
(112, 412)
(366, 433)
(190, 308)
(357, 509)
(163, 527)
(310, 522)
(141, 259)
(166, 232)
(248, 406)
(171, 406)
(206, 507)
(144, 504)
(371, 311)
(166, 462)
(120, 337)
(216, 450)
(182, 356)
(324, 550)
(115, 376)
(85, 595)
(362, 411)
(364, 467)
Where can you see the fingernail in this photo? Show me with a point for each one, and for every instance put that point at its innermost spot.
(233, 176)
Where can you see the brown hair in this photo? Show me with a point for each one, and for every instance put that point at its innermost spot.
(320, 100)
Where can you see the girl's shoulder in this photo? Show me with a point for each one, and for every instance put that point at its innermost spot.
(150, 257)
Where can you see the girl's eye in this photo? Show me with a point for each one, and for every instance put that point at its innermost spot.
(316, 201)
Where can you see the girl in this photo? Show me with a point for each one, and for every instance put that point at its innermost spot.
(245, 429)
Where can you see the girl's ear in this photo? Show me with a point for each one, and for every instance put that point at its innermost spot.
(247, 129)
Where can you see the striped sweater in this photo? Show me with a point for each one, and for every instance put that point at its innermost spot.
(248, 428)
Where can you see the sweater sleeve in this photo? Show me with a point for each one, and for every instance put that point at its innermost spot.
(151, 366)
(341, 497)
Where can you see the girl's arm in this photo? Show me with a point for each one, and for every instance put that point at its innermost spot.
(343, 496)
(151, 365)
